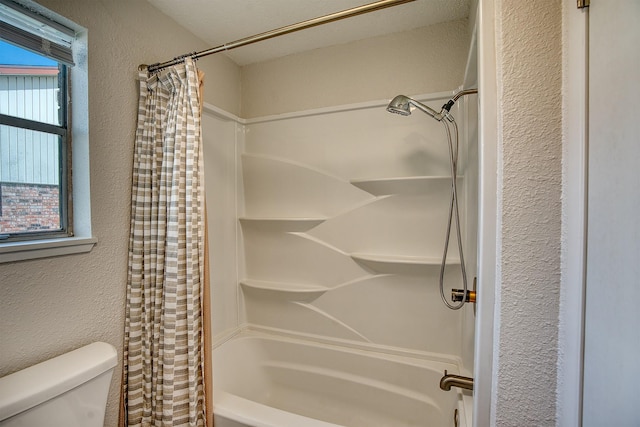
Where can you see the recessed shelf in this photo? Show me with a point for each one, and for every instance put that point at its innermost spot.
(284, 224)
(400, 264)
(289, 291)
(401, 185)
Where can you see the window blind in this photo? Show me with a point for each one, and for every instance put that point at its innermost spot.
(35, 32)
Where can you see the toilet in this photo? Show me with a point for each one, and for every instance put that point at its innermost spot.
(67, 391)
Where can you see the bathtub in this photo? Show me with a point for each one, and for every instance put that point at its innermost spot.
(266, 380)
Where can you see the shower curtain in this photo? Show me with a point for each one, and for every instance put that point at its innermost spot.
(164, 351)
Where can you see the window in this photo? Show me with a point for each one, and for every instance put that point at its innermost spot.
(33, 145)
(36, 193)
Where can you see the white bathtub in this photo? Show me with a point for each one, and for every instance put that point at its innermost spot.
(264, 380)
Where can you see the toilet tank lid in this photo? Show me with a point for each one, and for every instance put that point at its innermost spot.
(32, 386)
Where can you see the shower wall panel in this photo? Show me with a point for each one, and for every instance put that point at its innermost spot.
(222, 139)
(343, 226)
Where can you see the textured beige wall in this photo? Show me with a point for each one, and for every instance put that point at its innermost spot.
(529, 42)
(51, 306)
(426, 60)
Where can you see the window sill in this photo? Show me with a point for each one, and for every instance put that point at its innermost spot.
(20, 251)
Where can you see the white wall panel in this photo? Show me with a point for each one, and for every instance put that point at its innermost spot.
(221, 140)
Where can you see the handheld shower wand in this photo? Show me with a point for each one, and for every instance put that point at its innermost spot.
(401, 104)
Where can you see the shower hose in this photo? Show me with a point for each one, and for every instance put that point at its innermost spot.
(453, 212)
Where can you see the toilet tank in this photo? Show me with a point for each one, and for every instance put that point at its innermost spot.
(67, 391)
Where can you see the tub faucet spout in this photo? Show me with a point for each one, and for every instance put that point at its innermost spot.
(448, 381)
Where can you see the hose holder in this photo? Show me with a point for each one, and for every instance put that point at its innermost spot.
(458, 295)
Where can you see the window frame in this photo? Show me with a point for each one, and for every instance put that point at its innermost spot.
(75, 192)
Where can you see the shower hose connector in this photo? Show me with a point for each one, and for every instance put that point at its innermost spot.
(458, 295)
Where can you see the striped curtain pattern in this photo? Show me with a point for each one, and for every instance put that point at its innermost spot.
(163, 345)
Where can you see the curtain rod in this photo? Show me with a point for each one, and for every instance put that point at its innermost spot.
(371, 7)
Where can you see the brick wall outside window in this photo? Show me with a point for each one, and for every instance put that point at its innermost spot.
(29, 207)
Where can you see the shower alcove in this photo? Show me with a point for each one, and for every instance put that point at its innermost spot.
(327, 226)
(334, 222)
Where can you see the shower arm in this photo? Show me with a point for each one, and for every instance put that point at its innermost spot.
(444, 112)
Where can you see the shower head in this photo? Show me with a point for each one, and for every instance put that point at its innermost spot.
(402, 105)
(399, 105)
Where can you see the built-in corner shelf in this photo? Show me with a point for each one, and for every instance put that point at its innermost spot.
(283, 224)
(288, 291)
(400, 264)
(401, 185)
